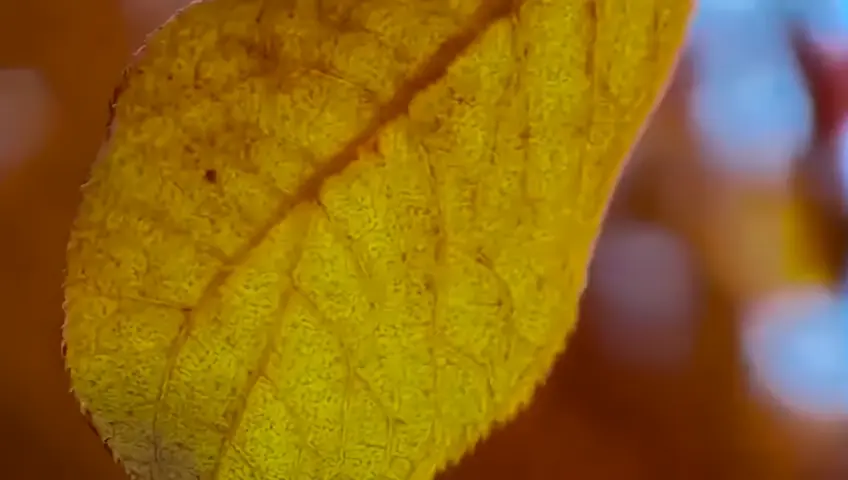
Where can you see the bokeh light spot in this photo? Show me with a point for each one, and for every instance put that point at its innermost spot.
(642, 279)
(796, 343)
(25, 115)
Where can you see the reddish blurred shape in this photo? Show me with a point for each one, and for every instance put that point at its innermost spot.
(826, 70)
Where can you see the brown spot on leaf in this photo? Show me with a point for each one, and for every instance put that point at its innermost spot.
(211, 176)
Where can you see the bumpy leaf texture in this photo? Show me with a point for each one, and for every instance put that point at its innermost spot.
(341, 239)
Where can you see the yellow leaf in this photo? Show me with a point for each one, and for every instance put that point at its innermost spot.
(341, 239)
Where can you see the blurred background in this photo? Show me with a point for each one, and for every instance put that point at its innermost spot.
(713, 341)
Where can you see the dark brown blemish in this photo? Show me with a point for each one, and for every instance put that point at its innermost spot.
(211, 175)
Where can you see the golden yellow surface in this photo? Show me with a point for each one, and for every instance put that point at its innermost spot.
(342, 239)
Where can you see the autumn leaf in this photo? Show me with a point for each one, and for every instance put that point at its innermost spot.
(342, 239)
